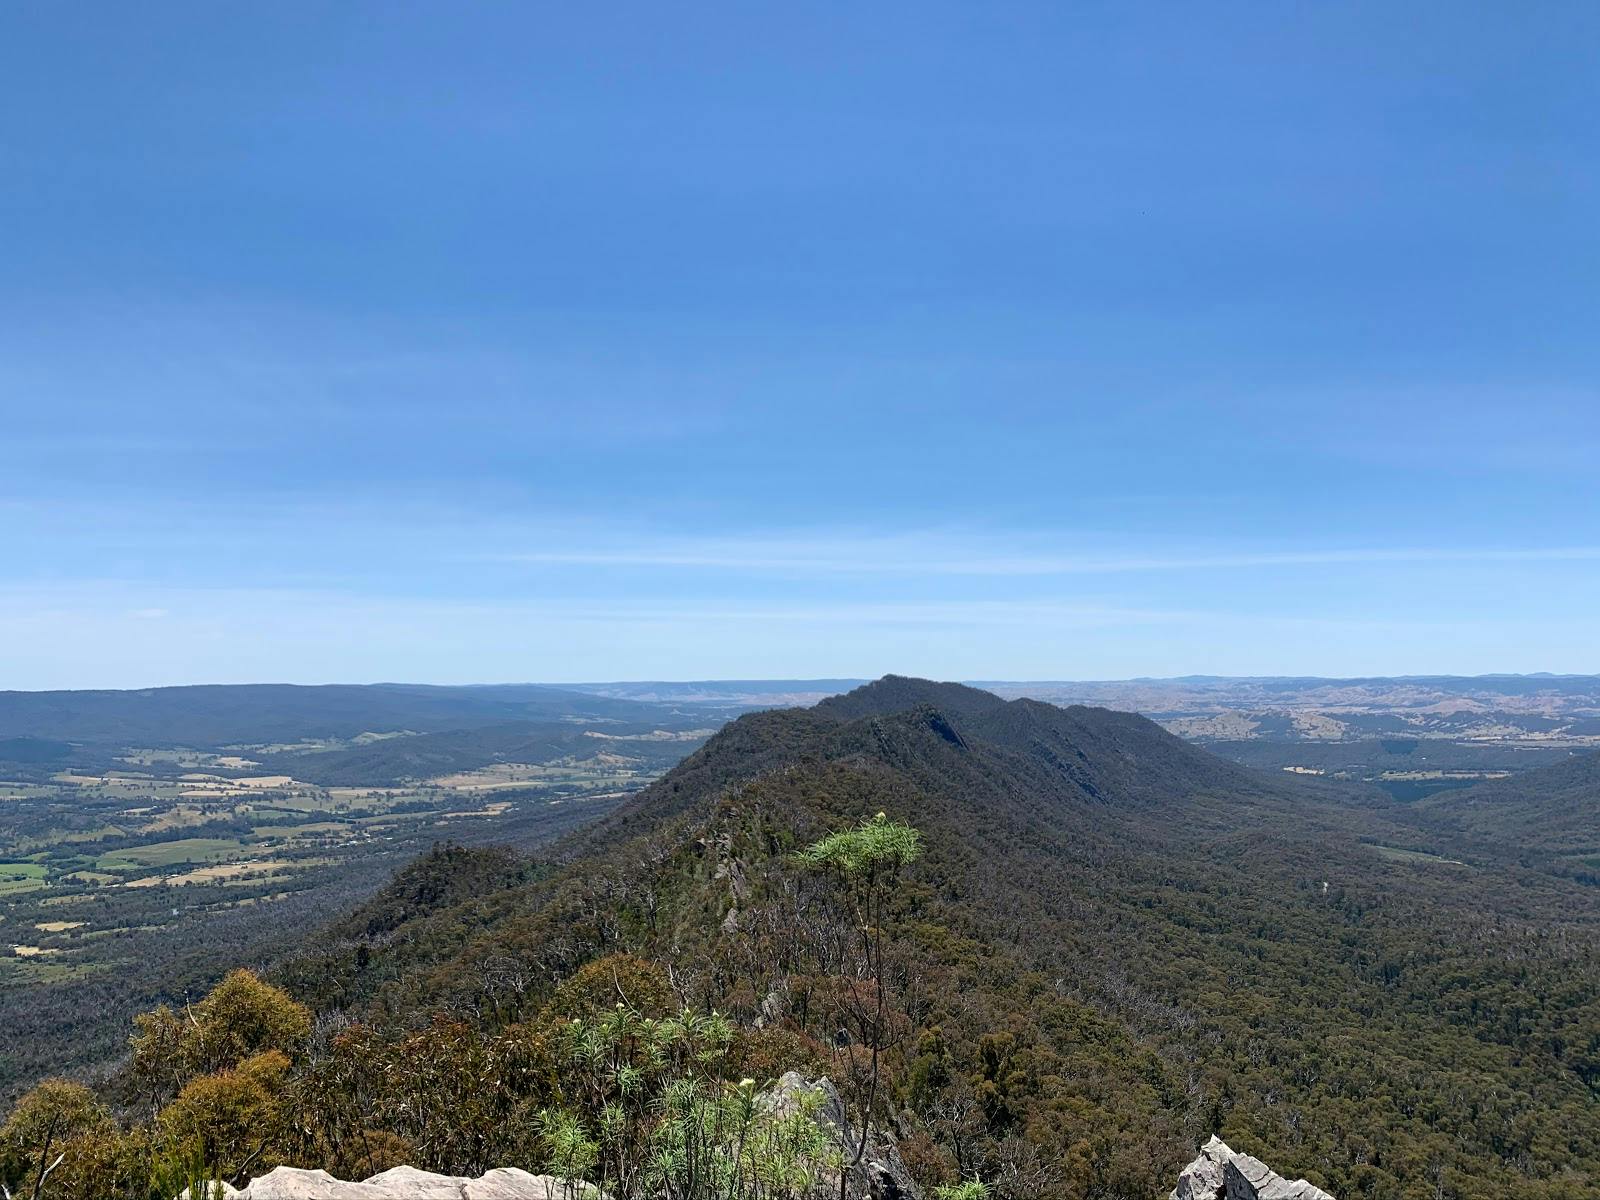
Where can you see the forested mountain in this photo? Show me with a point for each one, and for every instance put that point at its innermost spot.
(1114, 946)
(1549, 814)
(218, 715)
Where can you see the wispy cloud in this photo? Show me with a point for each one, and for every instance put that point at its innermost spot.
(114, 601)
(877, 556)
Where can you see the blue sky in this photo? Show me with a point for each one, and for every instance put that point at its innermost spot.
(566, 342)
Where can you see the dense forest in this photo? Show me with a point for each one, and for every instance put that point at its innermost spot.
(1109, 945)
(222, 714)
(1549, 817)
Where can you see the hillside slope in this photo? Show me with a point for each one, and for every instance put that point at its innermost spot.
(1115, 946)
(1548, 814)
(216, 715)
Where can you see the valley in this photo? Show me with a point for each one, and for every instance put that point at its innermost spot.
(1411, 737)
(123, 868)
(85, 842)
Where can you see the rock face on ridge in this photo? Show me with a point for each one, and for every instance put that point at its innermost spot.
(1219, 1173)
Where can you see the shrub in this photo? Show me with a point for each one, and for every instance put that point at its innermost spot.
(241, 1017)
(234, 1117)
(60, 1132)
(597, 986)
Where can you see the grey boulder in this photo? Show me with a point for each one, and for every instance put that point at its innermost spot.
(407, 1183)
(1219, 1173)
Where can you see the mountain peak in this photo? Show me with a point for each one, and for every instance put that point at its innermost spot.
(900, 693)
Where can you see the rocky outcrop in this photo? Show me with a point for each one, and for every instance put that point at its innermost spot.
(1220, 1173)
(1202, 1179)
(879, 1175)
(404, 1183)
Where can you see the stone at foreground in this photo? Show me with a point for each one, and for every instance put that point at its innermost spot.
(878, 1173)
(1218, 1173)
(1202, 1179)
(408, 1183)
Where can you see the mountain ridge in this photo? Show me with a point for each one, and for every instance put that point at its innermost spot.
(1165, 941)
(217, 714)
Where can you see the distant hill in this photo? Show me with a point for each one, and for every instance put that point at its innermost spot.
(1457, 715)
(1116, 945)
(1549, 813)
(219, 715)
(738, 693)
(391, 761)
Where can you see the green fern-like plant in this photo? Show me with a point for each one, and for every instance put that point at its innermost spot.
(873, 846)
(180, 1169)
(649, 1111)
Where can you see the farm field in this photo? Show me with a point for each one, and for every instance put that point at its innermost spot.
(120, 883)
(84, 841)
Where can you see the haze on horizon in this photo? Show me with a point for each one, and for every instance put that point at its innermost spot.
(381, 343)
